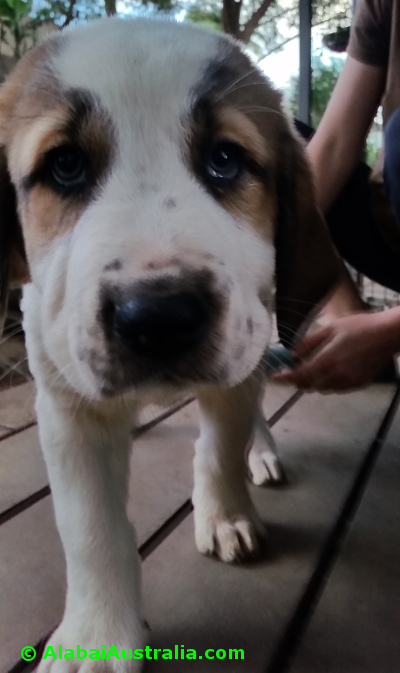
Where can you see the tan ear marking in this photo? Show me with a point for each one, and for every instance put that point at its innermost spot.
(13, 266)
(307, 265)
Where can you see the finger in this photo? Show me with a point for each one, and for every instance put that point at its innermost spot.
(284, 375)
(310, 374)
(302, 377)
(328, 378)
(310, 342)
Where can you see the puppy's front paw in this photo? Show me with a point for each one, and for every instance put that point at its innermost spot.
(233, 539)
(264, 466)
(96, 654)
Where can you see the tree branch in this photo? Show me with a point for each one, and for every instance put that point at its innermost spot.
(289, 39)
(277, 48)
(231, 17)
(70, 13)
(252, 24)
(111, 7)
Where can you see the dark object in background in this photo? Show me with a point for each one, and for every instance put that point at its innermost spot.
(338, 40)
(13, 359)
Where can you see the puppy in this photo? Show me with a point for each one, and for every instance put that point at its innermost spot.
(152, 194)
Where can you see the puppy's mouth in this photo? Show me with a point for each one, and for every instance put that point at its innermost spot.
(163, 331)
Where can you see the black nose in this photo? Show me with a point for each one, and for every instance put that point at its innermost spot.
(160, 327)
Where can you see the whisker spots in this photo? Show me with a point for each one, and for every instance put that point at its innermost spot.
(169, 204)
(115, 265)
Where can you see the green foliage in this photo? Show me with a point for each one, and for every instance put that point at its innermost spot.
(21, 19)
(372, 152)
(161, 5)
(15, 17)
(208, 19)
(149, 7)
(277, 26)
(11, 10)
(265, 33)
(63, 12)
(324, 78)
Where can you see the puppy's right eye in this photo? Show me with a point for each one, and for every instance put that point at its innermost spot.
(225, 161)
(67, 169)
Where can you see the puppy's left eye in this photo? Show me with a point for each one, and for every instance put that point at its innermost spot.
(225, 161)
(67, 168)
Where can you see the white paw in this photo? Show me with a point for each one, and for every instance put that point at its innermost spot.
(264, 467)
(232, 539)
(262, 461)
(97, 655)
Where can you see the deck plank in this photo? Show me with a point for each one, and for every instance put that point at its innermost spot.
(201, 603)
(31, 559)
(17, 405)
(191, 599)
(32, 574)
(356, 626)
(22, 468)
(4, 431)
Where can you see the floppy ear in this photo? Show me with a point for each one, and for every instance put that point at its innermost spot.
(13, 265)
(307, 265)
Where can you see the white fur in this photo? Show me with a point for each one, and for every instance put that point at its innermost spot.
(262, 459)
(85, 437)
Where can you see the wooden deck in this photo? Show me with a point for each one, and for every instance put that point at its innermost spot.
(325, 597)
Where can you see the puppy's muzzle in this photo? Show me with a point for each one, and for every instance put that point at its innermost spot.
(159, 327)
(166, 329)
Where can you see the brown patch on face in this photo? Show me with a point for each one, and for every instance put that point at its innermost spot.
(234, 125)
(43, 135)
(40, 119)
(45, 216)
(253, 200)
(47, 208)
(251, 197)
(31, 88)
(237, 105)
(79, 123)
(13, 263)
(306, 264)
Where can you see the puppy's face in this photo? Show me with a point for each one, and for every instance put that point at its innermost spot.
(145, 161)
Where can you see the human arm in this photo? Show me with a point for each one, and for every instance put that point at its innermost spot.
(351, 350)
(336, 147)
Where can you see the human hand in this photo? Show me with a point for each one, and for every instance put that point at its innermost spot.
(346, 354)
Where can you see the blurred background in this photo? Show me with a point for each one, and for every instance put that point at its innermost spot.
(268, 28)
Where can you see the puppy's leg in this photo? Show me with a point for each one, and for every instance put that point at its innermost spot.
(262, 459)
(226, 523)
(87, 460)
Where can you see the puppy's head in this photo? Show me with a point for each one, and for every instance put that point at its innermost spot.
(147, 175)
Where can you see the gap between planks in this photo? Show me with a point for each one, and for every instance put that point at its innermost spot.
(156, 538)
(290, 641)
